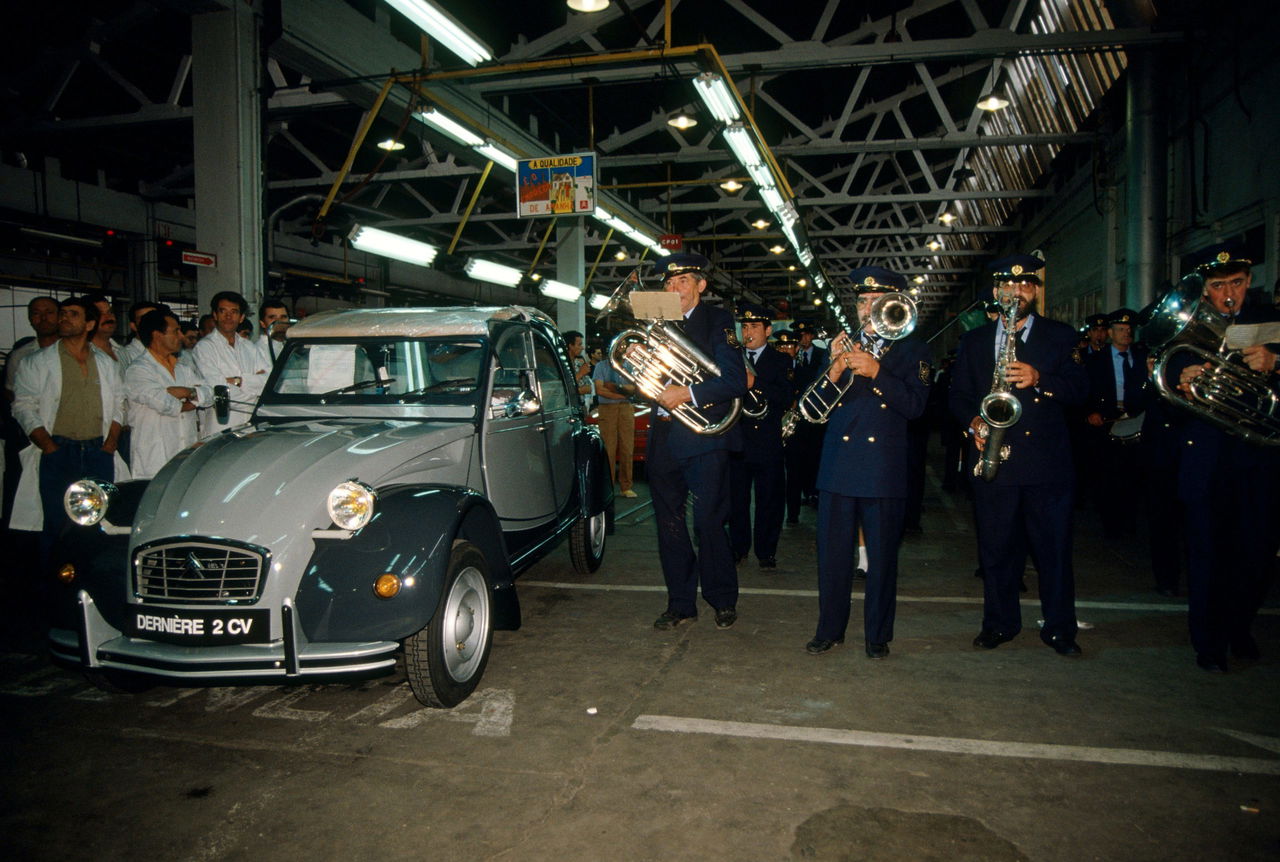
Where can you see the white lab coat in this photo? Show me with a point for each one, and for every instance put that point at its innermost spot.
(37, 392)
(217, 360)
(160, 428)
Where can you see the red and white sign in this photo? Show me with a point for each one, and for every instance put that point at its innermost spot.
(199, 258)
(672, 241)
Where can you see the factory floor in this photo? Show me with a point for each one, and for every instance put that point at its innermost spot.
(593, 736)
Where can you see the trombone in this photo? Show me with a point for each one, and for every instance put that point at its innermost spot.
(893, 317)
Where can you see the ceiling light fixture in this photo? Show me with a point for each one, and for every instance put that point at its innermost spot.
(619, 255)
(759, 224)
(947, 218)
(682, 122)
(560, 290)
(587, 5)
(598, 301)
(731, 186)
(804, 282)
(934, 245)
(919, 279)
(494, 273)
(497, 155)
(777, 249)
(993, 102)
(440, 26)
(435, 118)
(381, 242)
(391, 145)
(719, 99)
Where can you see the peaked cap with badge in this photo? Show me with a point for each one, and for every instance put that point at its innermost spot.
(1016, 267)
(876, 279)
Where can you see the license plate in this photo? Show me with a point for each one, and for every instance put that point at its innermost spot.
(249, 626)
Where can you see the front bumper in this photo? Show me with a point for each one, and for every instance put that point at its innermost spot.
(97, 644)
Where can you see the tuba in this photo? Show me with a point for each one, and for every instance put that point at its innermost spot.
(893, 317)
(1228, 394)
(660, 355)
(1000, 408)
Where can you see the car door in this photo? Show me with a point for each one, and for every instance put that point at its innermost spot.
(517, 475)
(561, 414)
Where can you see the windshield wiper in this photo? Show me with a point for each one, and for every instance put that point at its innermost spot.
(356, 387)
(459, 383)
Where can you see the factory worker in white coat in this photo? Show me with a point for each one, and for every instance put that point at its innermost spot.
(226, 358)
(164, 394)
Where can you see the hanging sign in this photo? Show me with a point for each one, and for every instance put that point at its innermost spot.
(556, 185)
(199, 258)
(672, 241)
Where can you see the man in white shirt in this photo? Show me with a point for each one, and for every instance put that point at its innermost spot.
(273, 321)
(136, 347)
(226, 358)
(164, 395)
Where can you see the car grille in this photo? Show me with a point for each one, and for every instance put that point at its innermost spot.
(198, 572)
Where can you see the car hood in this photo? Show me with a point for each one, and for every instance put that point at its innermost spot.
(268, 484)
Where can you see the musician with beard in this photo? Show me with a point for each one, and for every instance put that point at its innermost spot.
(1027, 506)
(862, 474)
(1227, 487)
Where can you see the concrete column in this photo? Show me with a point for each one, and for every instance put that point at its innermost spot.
(571, 269)
(1145, 155)
(225, 77)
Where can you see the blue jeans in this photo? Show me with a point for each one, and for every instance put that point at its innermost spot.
(74, 459)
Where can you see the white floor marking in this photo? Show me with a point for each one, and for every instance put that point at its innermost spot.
(1177, 607)
(282, 707)
(489, 710)
(1270, 743)
(956, 745)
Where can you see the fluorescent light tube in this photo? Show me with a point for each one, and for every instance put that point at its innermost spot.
(739, 140)
(436, 119)
(392, 245)
(714, 91)
(494, 273)
(560, 290)
(498, 156)
(598, 301)
(441, 27)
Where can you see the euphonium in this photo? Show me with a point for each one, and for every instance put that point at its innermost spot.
(1000, 408)
(661, 355)
(893, 316)
(1228, 394)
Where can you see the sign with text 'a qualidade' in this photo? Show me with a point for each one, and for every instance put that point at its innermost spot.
(556, 185)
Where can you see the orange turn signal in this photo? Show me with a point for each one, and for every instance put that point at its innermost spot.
(386, 586)
(67, 573)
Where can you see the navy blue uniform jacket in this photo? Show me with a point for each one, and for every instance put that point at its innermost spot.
(1102, 383)
(775, 383)
(1039, 445)
(710, 329)
(864, 450)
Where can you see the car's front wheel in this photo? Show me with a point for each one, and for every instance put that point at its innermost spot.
(586, 542)
(445, 660)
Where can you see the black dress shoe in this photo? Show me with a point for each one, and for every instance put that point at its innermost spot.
(1211, 663)
(1245, 649)
(768, 563)
(726, 617)
(988, 639)
(818, 646)
(739, 559)
(669, 621)
(859, 574)
(877, 650)
(1064, 645)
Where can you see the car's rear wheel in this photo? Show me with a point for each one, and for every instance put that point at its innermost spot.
(445, 660)
(586, 542)
(118, 681)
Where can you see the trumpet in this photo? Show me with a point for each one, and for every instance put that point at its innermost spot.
(754, 405)
(1228, 394)
(893, 317)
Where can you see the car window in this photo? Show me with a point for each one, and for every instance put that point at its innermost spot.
(555, 394)
(511, 367)
(377, 370)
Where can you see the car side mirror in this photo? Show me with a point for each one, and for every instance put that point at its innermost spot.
(221, 404)
(524, 404)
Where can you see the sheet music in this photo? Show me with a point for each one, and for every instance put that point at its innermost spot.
(655, 305)
(1248, 334)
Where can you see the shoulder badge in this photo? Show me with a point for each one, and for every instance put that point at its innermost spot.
(926, 373)
(1076, 357)
(732, 338)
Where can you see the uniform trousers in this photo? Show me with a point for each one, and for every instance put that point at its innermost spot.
(671, 482)
(618, 429)
(765, 478)
(838, 519)
(1042, 514)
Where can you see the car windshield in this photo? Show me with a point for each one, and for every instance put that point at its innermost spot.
(379, 371)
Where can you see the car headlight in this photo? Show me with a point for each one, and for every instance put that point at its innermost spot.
(351, 505)
(86, 501)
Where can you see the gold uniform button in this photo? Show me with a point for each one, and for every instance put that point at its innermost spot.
(871, 439)
(1036, 400)
(845, 438)
(1026, 433)
(884, 406)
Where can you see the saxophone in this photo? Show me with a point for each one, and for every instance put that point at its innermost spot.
(1000, 408)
